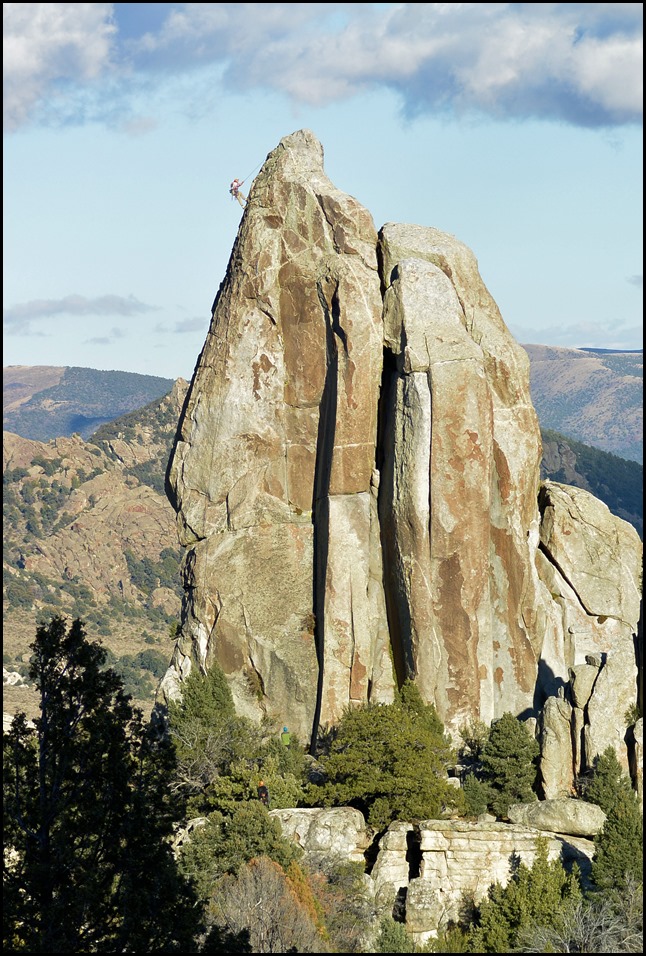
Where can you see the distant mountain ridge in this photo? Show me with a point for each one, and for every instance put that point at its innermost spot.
(43, 402)
(595, 396)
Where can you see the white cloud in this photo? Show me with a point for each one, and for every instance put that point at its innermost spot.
(19, 316)
(45, 44)
(577, 62)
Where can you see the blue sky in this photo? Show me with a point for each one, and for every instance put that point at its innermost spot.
(516, 127)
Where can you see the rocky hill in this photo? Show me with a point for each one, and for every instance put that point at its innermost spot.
(89, 532)
(595, 396)
(43, 402)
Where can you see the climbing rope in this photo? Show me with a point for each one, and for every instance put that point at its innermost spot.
(253, 171)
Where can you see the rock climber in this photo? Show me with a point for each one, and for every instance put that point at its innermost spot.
(234, 189)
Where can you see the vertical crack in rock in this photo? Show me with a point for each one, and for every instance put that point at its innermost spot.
(414, 853)
(397, 610)
(321, 503)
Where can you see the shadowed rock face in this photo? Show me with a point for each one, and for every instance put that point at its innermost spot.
(356, 479)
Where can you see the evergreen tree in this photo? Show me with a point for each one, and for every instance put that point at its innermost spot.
(477, 795)
(540, 895)
(221, 756)
(619, 847)
(619, 853)
(390, 761)
(509, 764)
(87, 814)
(224, 844)
(393, 938)
(597, 924)
(608, 781)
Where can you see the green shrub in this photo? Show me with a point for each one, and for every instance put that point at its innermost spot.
(379, 756)
(477, 795)
(608, 781)
(393, 938)
(225, 843)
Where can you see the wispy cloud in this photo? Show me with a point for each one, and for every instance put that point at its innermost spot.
(114, 334)
(575, 62)
(19, 318)
(637, 280)
(183, 326)
(191, 325)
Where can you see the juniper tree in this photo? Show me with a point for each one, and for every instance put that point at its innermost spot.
(390, 761)
(541, 895)
(619, 848)
(87, 814)
(221, 756)
(608, 781)
(508, 764)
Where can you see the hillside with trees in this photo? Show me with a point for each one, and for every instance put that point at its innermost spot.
(595, 396)
(42, 403)
(89, 532)
(616, 481)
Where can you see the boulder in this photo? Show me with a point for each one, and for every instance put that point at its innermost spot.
(339, 833)
(560, 815)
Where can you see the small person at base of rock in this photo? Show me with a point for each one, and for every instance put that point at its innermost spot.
(263, 793)
(285, 737)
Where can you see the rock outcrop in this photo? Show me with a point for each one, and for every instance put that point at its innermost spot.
(356, 480)
(429, 870)
(327, 835)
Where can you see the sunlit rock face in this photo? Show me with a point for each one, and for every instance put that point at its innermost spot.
(460, 471)
(356, 480)
(273, 468)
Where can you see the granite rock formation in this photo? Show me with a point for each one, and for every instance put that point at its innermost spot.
(356, 481)
(436, 864)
